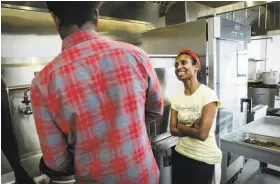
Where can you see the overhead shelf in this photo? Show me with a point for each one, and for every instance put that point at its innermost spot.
(257, 60)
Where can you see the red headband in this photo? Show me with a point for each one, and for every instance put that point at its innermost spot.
(192, 54)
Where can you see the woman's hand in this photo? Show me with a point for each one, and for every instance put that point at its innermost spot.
(196, 123)
(173, 124)
(180, 126)
(200, 132)
(43, 179)
(183, 125)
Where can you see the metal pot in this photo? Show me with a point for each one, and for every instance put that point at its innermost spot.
(270, 77)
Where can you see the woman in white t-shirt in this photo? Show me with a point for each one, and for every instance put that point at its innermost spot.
(193, 120)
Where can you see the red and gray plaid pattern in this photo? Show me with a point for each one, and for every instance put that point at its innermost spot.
(97, 96)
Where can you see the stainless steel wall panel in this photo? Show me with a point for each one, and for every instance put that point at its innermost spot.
(170, 85)
(169, 40)
(24, 125)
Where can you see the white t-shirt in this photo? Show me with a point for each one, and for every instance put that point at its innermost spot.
(189, 109)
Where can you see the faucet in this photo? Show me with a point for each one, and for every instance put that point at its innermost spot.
(27, 110)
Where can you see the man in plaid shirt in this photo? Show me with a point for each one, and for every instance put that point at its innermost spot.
(96, 95)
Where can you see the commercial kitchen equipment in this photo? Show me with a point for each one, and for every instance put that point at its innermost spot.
(23, 149)
(270, 77)
(7, 173)
(265, 129)
(274, 112)
(221, 45)
(257, 112)
(223, 124)
(265, 94)
(159, 131)
(163, 153)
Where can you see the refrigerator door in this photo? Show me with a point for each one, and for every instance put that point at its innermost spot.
(228, 76)
(170, 85)
(232, 80)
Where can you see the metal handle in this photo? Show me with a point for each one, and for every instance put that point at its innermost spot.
(277, 92)
(265, 23)
(259, 20)
(259, 95)
(155, 128)
(249, 106)
(149, 130)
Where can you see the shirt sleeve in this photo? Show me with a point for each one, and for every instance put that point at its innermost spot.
(174, 104)
(209, 97)
(154, 100)
(52, 140)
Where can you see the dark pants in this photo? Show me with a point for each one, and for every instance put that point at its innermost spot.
(188, 171)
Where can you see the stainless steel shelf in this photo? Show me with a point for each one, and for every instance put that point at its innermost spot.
(267, 126)
(257, 60)
(261, 178)
(8, 178)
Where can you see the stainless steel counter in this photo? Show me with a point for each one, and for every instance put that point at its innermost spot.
(265, 95)
(267, 126)
(8, 178)
(31, 165)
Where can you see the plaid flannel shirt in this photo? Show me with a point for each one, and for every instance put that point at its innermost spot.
(97, 96)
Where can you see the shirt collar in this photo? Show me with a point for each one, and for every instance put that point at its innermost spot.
(77, 38)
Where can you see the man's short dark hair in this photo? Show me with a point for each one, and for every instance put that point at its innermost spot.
(73, 12)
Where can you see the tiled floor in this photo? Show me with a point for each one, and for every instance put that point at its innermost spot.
(249, 168)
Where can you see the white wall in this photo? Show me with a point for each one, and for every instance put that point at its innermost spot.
(47, 46)
(273, 53)
(30, 45)
(257, 50)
